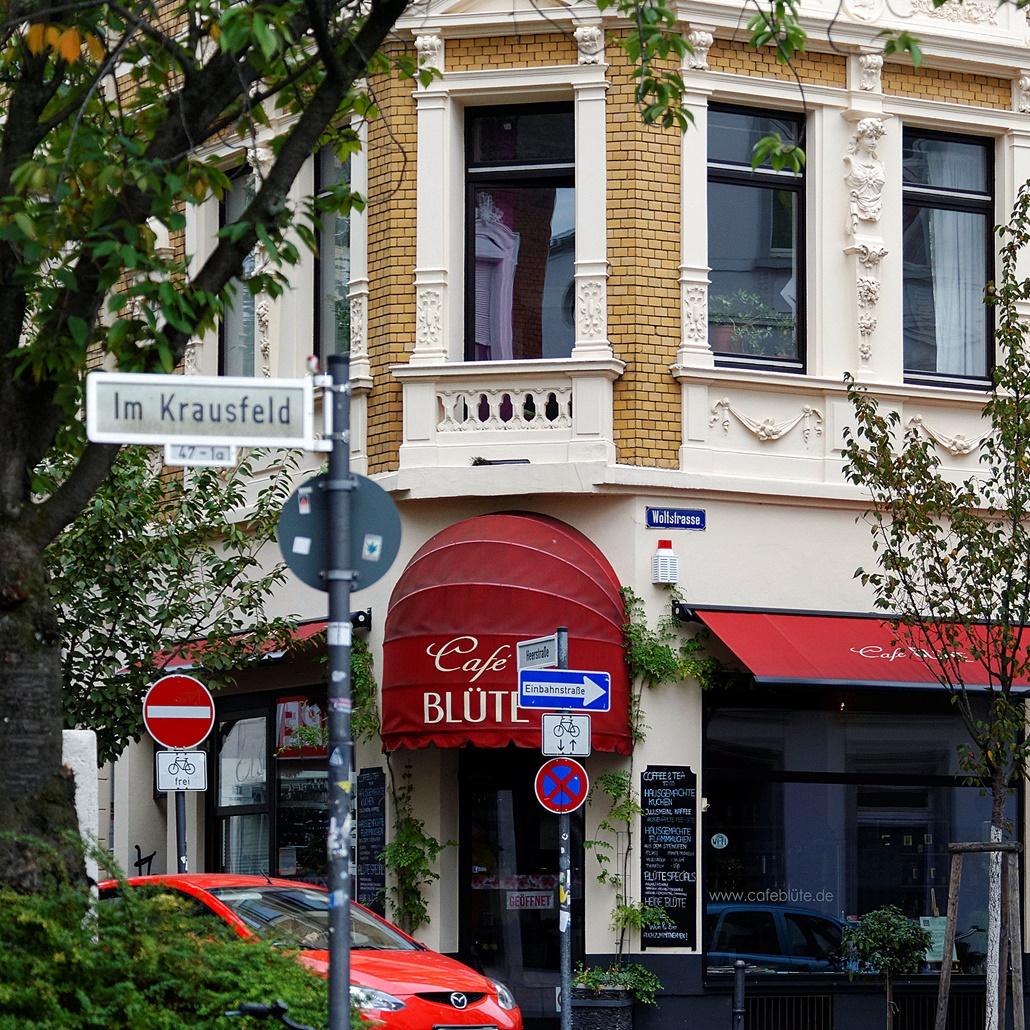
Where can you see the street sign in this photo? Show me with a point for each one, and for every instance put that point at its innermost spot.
(565, 688)
(214, 455)
(676, 518)
(375, 532)
(181, 770)
(134, 407)
(565, 733)
(538, 653)
(561, 785)
(178, 712)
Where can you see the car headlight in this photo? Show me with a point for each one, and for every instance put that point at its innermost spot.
(367, 999)
(504, 997)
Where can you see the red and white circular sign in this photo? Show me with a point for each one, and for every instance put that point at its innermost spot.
(178, 712)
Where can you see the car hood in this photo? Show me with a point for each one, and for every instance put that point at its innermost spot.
(404, 972)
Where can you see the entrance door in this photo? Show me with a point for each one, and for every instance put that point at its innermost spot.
(509, 880)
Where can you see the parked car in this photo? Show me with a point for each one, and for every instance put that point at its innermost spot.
(394, 979)
(772, 937)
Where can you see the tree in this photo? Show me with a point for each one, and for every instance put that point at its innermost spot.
(953, 555)
(156, 558)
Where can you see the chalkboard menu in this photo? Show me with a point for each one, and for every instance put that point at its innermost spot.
(668, 853)
(371, 873)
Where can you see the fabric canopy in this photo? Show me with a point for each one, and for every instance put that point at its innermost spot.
(844, 650)
(189, 655)
(465, 599)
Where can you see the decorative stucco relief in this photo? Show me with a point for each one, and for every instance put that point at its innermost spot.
(263, 317)
(1021, 93)
(428, 318)
(958, 445)
(870, 68)
(591, 309)
(974, 12)
(695, 314)
(358, 324)
(430, 51)
(700, 43)
(768, 430)
(590, 44)
(864, 174)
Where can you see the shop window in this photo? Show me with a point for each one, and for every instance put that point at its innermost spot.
(332, 304)
(520, 231)
(947, 216)
(755, 244)
(238, 333)
(823, 807)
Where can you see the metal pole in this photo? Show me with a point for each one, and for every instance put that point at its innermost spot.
(565, 876)
(339, 577)
(180, 832)
(739, 1007)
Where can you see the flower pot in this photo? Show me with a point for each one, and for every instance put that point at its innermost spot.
(601, 1010)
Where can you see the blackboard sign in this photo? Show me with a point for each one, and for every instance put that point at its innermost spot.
(668, 853)
(371, 873)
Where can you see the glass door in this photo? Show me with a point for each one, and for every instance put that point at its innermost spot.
(509, 880)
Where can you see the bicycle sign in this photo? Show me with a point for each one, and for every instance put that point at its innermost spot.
(181, 770)
(565, 733)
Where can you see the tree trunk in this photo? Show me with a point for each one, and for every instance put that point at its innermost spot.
(995, 974)
(37, 802)
(889, 991)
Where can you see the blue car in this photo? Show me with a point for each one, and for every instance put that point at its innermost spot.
(772, 938)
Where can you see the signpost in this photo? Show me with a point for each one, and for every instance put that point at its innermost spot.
(568, 689)
(538, 653)
(179, 712)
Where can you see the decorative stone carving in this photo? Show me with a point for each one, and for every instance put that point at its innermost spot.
(864, 10)
(1021, 93)
(590, 44)
(358, 326)
(591, 309)
(768, 430)
(428, 325)
(263, 317)
(869, 255)
(700, 43)
(430, 51)
(867, 289)
(870, 67)
(958, 445)
(189, 361)
(864, 174)
(473, 410)
(695, 314)
(975, 12)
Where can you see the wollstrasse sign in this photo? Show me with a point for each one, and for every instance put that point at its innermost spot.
(127, 407)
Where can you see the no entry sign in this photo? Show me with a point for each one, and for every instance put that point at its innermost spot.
(562, 785)
(178, 712)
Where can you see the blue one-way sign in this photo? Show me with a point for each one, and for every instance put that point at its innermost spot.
(565, 688)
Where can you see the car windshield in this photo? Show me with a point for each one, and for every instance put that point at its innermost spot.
(299, 917)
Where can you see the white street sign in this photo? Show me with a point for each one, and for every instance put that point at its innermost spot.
(565, 734)
(538, 653)
(214, 455)
(129, 407)
(181, 770)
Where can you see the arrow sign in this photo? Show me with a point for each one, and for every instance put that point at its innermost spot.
(565, 688)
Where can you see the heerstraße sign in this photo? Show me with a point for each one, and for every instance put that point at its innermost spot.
(125, 407)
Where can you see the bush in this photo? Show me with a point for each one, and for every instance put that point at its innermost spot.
(148, 960)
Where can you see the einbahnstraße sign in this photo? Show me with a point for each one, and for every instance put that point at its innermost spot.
(127, 407)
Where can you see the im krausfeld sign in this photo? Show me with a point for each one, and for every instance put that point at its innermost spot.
(126, 407)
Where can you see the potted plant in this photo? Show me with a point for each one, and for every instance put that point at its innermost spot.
(886, 941)
(742, 323)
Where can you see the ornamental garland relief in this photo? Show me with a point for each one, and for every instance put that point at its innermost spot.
(768, 430)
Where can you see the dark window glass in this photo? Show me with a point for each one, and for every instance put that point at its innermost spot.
(746, 932)
(947, 237)
(521, 234)
(755, 245)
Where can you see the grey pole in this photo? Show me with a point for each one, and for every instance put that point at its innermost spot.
(739, 1004)
(339, 577)
(183, 864)
(565, 876)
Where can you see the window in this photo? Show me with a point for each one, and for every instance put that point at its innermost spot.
(825, 805)
(332, 310)
(238, 334)
(755, 233)
(520, 232)
(947, 256)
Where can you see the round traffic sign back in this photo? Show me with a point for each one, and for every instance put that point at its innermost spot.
(178, 712)
(562, 785)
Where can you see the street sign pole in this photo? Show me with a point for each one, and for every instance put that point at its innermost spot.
(565, 877)
(183, 864)
(339, 576)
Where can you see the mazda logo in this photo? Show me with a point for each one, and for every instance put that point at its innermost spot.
(458, 1000)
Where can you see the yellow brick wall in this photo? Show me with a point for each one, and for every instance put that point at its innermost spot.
(947, 87)
(526, 51)
(391, 261)
(643, 286)
(737, 57)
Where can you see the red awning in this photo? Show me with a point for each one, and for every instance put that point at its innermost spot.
(188, 655)
(465, 599)
(837, 650)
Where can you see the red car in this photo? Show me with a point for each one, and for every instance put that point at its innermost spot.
(394, 979)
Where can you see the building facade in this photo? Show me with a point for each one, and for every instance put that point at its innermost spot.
(574, 337)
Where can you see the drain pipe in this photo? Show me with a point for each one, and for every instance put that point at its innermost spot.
(738, 995)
